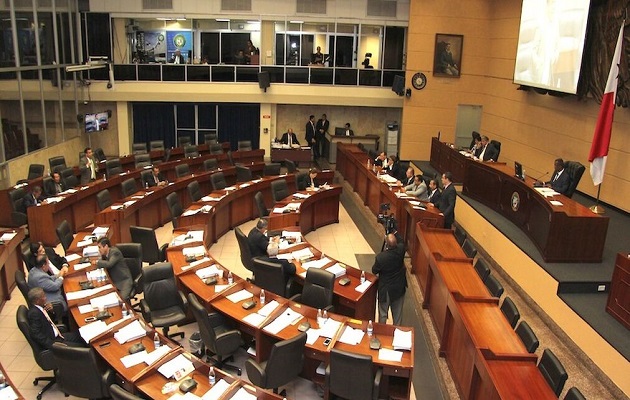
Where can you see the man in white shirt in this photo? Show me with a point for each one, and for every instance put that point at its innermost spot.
(41, 328)
(349, 132)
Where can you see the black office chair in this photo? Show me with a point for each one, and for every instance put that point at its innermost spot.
(18, 210)
(35, 171)
(272, 169)
(44, 358)
(243, 174)
(182, 170)
(163, 304)
(244, 145)
(482, 268)
(68, 178)
(183, 141)
(575, 170)
(351, 376)
(151, 252)
(245, 250)
(229, 157)
(210, 164)
(476, 136)
(81, 373)
(302, 180)
(218, 181)
(218, 338)
(318, 289)
(103, 199)
(167, 155)
(57, 163)
(269, 276)
(259, 201)
(118, 393)
(552, 370)
(145, 176)
(155, 145)
(509, 310)
(279, 189)
(460, 234)
(132, 253)
(175, 208)
(469, 249)
(128, 187)
(142, 160)
(494, 286)
(209, 137)
(497, 145)
(64, 233)
(290, 166)
(48, 186)
(113, 167)
(20, 281)
(191, 151)
(574, 394)
(284, 364)
(139, 148)
(99, 154)
(527, 336)
(194, 191)
(216, 148)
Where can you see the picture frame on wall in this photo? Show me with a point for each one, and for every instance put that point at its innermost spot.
(447, 60)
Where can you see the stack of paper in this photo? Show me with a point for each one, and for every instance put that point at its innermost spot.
(389, 355)
(402, 340)
(330, 328)
(316, 263)
(81, 294)
(301, 195)
(240, 296)
(156, 354)
(177, 368)
(130, 332)
(109, 300)
(351, 336)
(291, 235)
(8, 236)
(337, 269)
(90, 251)
(92, 330)
(216, 391)
(7, 393)
(285, 319)
(243, 394)
(194, 251)
(129, 203)
(303, 254)
(190, 212)
(55, 199)
(72, 257)
(207, 272)
(387, 178)
(363, 287)
(85, 242)
(293, 206)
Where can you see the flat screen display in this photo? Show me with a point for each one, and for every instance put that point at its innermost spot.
(518, 170)
(551, 43)
(96, 122)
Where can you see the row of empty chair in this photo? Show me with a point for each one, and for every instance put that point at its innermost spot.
(185, 141)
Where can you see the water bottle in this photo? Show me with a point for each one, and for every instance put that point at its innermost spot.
(320, 318)
(104, 177)
(211, 377)
(368, 163)
(124, 310)
(362, 276)
(325, 315)
(262, 297)
(230, 278)
(146, 185)
(370, 328)
(156, 340)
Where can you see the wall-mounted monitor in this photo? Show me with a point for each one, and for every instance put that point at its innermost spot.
(95, 122)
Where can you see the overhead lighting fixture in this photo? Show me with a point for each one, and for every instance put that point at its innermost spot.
(253, 22)
(163, 19)
(222, 20)
(181, 19)
(296, 22)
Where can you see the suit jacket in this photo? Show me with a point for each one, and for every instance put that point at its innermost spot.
(53, 189)
(258, 243)
(312, 182)
(151, 180)
(322, 126)
(30, 200)
(491, 153)
(310, 133)
(560, 185)
(435, 197)
(389, 267)
(40, 329)
(52, 285)
(348, 132)
(91, 166)
(179, 58)
(285, 138)
(397, 170)
(447, 205)
(419, 191)
(287, 268)
(52, 255)
(407, 181)
(118, 271)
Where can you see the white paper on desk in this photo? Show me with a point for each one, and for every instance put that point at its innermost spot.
(190, 212)
(284, 244)
(351, 336)
(81, 294)
(177, 364)
(231, 188)
(8, 236)
(195, 235)
(268, 308)
(201, 261)
(240, 296)
(387, 178)
(302, 274)
(330, 328)
(108, 300)
(243, 394)
(194, 251)
(402, 340)
(117, 207)
(390, 355)
(134, 359)
(244, 185)
(285, 256)
(279, 210)
(303, 254)
(90, 251)
(55, 199)
(8, 393)
(129, 203)
(207, 272)
(156, 354)
(92, 330)
(419, 208)
(337, 270)
(216, 391)
(312, 335)
(415, 202)
(291, 235)
(137, 197)
(85, 242)
(556, 203)
(256, 180)
(86, 309)
(285, 319)
(220, 288)
(363, 287)
(316, 263)
(254, 319)
(80, 266)
(301, 195)
(130, 332)
(72, 257)
(69, 191)
(293, 206)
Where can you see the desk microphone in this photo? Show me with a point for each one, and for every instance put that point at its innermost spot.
(543, 175)
(536, 184)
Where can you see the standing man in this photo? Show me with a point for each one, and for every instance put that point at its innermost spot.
(114, 262)
(289, 138)
(90, 164)
(392, 280)
(320, 133)
(310, 135)
(447, 201)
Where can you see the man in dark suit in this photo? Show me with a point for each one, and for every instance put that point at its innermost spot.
(178, 58)
(560, 180)
(381, 160)
(321, 129)
(56, 262)
(396, 169)
(434, 192)
(155, 179)
(114, 262)
(392, 280)
(289, 137)
(488, 151)
(409, 177)
(447, 201)
(34, 197)
(53, 186)
(89, 162)
(348, 131)
(257, 239)
(41, 328)
(40, 276)
(272, 256)
(310, 135)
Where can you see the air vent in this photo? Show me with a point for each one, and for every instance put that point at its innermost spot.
(381, 8)
(27, 4)
(311, 6)
(157, 4)
(236, 5)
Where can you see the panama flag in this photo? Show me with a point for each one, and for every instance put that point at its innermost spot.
(601, 139)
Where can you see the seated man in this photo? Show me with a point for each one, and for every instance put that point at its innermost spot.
(434, 192)
(55, 262)
(52, 285)
(114, 262)
(560, 180)
(155, 179)
(54, 186)
(272, 256)
(289, 138)
(409, 178)
(258, 240)
(348, 131)
(34, 197)
(381, 160)
(41, 328)
(396, 168)
(418, 188)
(487, 151)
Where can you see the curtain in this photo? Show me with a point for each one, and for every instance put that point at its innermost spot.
(154, 121)
(239, 122)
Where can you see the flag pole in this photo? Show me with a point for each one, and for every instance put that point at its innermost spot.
(597, 209)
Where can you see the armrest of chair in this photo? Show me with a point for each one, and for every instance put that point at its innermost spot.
(377, 383)
(330, 308)
(163, 251)
(255, 372)
(183, 300)
(296, 297)
(145, 310)
(215, 319)
(57, 311)
(19, 218)
(290, 288)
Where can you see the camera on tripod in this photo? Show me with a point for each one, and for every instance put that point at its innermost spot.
(388, 221)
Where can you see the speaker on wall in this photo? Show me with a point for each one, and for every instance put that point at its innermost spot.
(398, 86)
(263, 80)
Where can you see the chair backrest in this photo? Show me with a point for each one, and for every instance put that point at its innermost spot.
(35, 171)
(552, 370)
(318, 288)
(184, 141)
(290, 165)
(494, 286)
(279, 189)
(128, 187)
(103, 199)
(142, 160)
(64, 233)
(167, 155)
(43, 357)
(57, 163)
(216, 148)
(469, 249)
(156, 145)
(194, 191)
(218, 181)
(482, 268)
(272, 169)
(20, 280)
(210, 164)
(206, 330)
(269, 276)
(190, 151)
(460, 234)
(160, 287)
(175, 207)
(259, 201)
(139, 148)
(575, 170)
(118, 393)
(99, 154)
(301, 180)
(209, 137)
(527, 336)
(17, 199)
(84, 174)
(475, 136)
(182, 170)
(146, 238)
(243, 174)
(574, 394)
(229, 157)
(285, 353)
(145, 176)
(132, 253)
(497, 146)
(113, 167)
(508, 308)
(80, 372)
(245, 250)
(68, 178)
(244, 145)
(357, 366)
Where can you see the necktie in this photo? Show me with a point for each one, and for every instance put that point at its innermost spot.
(55, 329)
(290, 140)
(156, 179)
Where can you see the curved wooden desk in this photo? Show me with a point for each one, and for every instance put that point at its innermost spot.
(10, 261)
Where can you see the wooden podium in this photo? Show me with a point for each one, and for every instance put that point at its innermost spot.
(619, 297)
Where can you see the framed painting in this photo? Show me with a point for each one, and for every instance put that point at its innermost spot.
(447, 61)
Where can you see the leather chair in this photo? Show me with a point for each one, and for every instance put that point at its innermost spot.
(156, 145)
(113, 167)
(64, 233)
(118, 393)
(35, 171)
(81, 373)
(272, 169)
(219, 339)
(128, 187)
(482, 268)
(191, 151)
(244, 145)
(284, 364)
(245, 250)
(574, 394)
(163, 304)
(509, 310)
(318, 289)
(151, 253)
(243, 174)
(229, 157)
(68, 178)
(57, 163)
(218, 181)
(351, 376)
(139, 148)
(259, 201)
(279, 189)
(497, 145)
(18, 211)
(99, 154)
(269, 276)
(469, 249)
(175, 208)
(527, 336)
(182, 170)
(103, 199)
(552, 370)
(20, 281)
(46, 185)
(575, 171)
(290, 166)
(132, 253)
(210, 164)
(183, 141)
(475, 136)
(301, 180)
(216, 148)
(167, 155)
(145, 176)
(494, 286)
(460, 234)
(209, 137)
(194, 191)
(142, 160)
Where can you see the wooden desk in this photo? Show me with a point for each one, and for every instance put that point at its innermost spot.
(10, 262)
(444, 157)
(298, 156)
(332, 141)
(618, 304)
(432, 241)
(10, 383)
(567, 233)
(321, 208)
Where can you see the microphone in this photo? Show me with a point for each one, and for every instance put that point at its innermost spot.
(539, 179)
(543, 175)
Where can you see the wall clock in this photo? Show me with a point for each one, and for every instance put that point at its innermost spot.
(419, 81)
